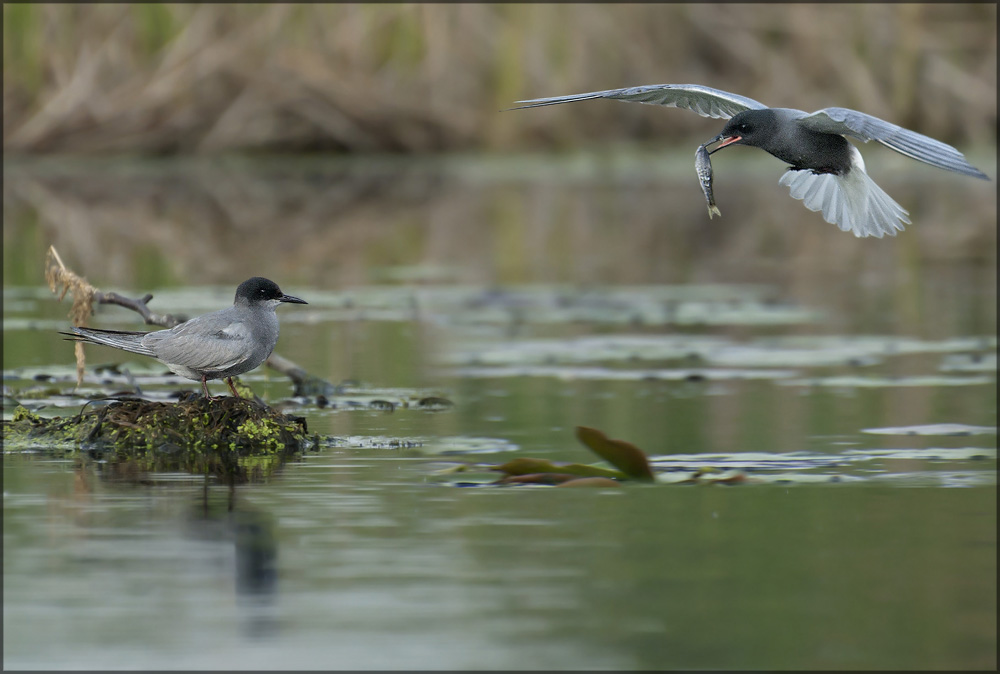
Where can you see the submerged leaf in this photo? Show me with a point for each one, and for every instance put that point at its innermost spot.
(622, 455)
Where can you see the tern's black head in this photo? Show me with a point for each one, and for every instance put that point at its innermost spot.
(758, 128)
(258, 289)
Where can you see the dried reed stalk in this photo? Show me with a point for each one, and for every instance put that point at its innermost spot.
(431, 77)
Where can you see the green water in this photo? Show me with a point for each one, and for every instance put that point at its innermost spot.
(536, 299)
(373, 568)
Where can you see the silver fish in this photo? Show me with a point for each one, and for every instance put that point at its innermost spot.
(703, 165)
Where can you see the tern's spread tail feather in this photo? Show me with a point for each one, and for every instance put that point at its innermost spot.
(127, 341)
(851, 201)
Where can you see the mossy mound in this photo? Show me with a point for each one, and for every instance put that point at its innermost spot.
(233, 438)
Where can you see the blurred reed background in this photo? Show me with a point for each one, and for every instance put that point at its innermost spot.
(180, 78)
(436, 180)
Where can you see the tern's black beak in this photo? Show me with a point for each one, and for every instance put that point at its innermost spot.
(726, 140)
(291, 300)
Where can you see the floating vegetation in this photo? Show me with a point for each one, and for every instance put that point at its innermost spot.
(624, 456)
(465, 444)
(232, 438)
(941, 478)
(969, 362)
(422, 446)
(933, 429)
(628, 463)
(757, 461)
(589, 349)
(554, 304)
(371, 442)
(385, 399)
(631, 305)
(568, 373)
(526, 470)
(631, 464)
(928, 454)
(53, 387)
(850, 381)
(790, 351)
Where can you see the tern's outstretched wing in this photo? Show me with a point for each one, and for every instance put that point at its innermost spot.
(705, 101)
(910, 143)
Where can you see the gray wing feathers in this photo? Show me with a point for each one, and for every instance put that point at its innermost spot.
(705, 101)
(196, 350)
(910, 143)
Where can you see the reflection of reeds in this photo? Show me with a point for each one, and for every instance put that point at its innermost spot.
(333, 224)
(428, 77)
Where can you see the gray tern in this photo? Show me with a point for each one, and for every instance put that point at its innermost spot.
(217, 345)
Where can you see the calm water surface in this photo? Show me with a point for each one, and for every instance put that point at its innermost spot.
(537, 297)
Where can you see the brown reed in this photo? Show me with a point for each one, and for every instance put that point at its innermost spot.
(165, 78)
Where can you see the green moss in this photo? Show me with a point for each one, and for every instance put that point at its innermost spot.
(21, 415)
(232, 437)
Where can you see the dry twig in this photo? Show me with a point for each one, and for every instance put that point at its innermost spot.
(86, 295)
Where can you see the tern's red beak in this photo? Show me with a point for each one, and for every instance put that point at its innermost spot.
(726, 140)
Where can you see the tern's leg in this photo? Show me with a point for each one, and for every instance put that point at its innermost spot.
(229, 380)
(204, 385)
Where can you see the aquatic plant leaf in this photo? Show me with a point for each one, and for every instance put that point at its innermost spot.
(528, 465)
(622, 455)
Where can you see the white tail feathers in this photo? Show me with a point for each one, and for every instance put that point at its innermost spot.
(851, 201)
